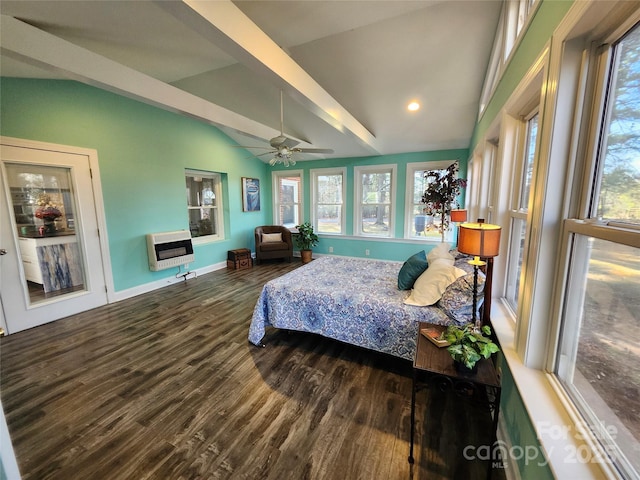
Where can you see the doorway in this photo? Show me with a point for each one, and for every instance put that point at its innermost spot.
(51, 254)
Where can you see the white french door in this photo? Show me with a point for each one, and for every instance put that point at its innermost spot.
(50, 251)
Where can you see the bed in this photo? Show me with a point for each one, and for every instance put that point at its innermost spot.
(357, 301)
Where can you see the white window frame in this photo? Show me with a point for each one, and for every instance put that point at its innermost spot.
(276, 177)
(528, 347)
(217, 210)
(412, 168)
(592, 124)
(358, 205)
(495, 67)
(482, 182)
(318, 172)
(515, 17)
(518, 213)
(496, 186)
(489, 181)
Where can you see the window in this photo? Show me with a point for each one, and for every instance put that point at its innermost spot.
(489, 183)
(519, 211)
(287, 199)
(482, 183)
(419, 224)
(374, 193)
(598, 358)
(204, 204)
(494, 69)
(513, 21)
(328, 200)
(517, 14)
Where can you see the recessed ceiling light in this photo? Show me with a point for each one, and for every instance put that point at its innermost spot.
(413, 106)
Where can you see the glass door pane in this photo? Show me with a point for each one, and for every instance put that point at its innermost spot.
(44, 218)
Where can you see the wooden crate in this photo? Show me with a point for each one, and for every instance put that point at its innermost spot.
(239, 259)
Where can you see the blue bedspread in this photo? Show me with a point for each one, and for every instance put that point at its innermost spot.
(353, 300)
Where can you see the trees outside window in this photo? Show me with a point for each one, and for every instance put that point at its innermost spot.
(598, 356)
(441, 195)
(419, 225)
(375, 190)
(204, 204)
(328, 190)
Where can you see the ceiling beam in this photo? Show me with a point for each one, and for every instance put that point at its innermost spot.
(227, 27)
(36, 47)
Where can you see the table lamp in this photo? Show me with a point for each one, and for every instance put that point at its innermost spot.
(482, 240)
(458, 216)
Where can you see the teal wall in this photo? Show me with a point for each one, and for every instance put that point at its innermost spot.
(347, 245)
(143, 152)
(529, 458)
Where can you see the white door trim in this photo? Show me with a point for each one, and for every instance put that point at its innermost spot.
(96, 185)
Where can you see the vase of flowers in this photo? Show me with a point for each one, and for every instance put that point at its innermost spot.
(48, 212)
(441, 193)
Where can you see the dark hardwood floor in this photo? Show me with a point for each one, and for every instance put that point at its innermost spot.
(166, 386)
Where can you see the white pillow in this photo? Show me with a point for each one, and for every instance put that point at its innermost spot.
(440, 251)
(430, 286)
(271, 237)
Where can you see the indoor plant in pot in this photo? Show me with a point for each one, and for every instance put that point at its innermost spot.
(305, 239)
(443, 187)
(468, 345)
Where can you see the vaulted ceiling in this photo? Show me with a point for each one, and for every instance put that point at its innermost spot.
(348, 69)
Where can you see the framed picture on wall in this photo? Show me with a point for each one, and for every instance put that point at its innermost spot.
(250, 194)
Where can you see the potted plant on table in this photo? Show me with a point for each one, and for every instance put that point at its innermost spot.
(305, 239)
(468, 345)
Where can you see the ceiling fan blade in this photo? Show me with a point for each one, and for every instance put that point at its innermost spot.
(313, 150)
(270, 152)
(257, 155)
(290, 143)
(247, 146)
(283, 147)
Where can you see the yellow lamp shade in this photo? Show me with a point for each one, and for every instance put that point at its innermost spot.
(479, 239)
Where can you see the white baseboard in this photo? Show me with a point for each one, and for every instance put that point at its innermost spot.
(164, 282)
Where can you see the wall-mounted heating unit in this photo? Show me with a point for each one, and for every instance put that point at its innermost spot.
(169, 249)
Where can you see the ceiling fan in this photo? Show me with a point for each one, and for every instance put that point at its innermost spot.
(283, 148)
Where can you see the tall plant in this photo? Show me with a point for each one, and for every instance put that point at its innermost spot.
(442, 192)
(306, 238)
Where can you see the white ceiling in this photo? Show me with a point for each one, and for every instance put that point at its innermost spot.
(348, 68)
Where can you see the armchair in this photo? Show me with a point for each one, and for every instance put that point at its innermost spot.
(273, 241)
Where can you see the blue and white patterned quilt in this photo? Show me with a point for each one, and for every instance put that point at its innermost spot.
(353, 300)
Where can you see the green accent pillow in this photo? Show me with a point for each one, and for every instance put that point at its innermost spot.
(411, 270)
